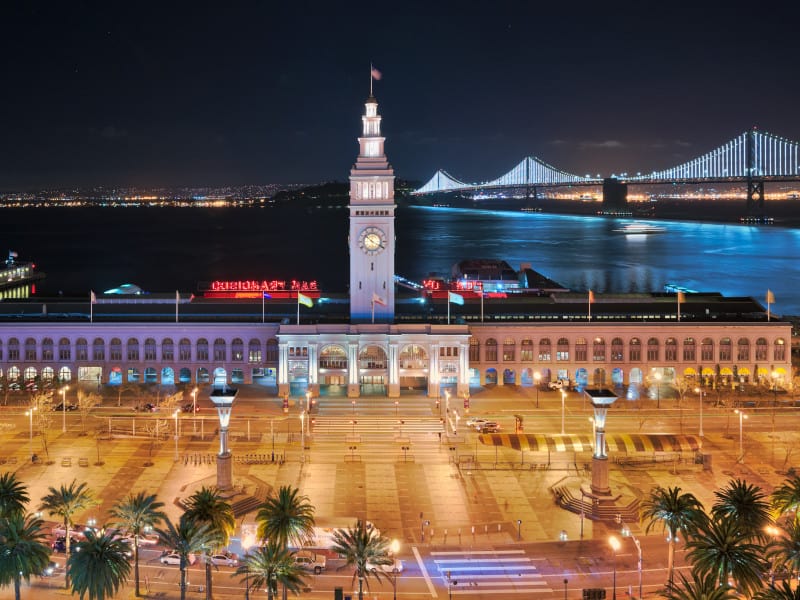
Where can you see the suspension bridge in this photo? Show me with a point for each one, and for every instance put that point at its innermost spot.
(753, 157)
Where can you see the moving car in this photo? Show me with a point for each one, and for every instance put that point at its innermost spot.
(60, 544)
(490, 427)
(395, 566)
(224, 559)
(187, 408)
(145, 539)
(173, 558)
(310, 561)
(60, 407)
(475, 422)
(149, 407)
(53, 568)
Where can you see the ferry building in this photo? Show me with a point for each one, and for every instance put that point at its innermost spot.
(381, 339)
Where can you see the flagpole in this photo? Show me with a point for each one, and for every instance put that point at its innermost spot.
(679, 309)
(298, 308)
(373, 311)
(262, 306)
(91, 307)
(370, 79)
(448, 308)
(177, 299)
(481, 304)
(590, 305)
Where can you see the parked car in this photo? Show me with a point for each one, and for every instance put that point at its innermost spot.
(475, 422)
(395, 566)
(60, 544)
(187, 408)
(224, 559)
(490, 427)
(53, 568)
(557, 385)
(310, 561)
(145, 539)
(60, 407)
(149, 407)
(173, 558)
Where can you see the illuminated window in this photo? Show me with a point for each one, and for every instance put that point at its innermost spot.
(254, 352)
(98, 349)
(653, 349)
(237, 350)
(562, 349)
(220, 351)
(599, 349)
(743, 349)
(761, 349)
(491, 350)
(780, 349)
(81, 349)
(47, 349)
(202, 349)
(581, 353)
(64, 349)
(184, 350)
(545, 353)
(150, 349)
(689, 350)
(133, 349)
(30, 349)
(526, 351)
(725, 349)
(509, 350)
(617, 350)
(635, 350)
(167, 349)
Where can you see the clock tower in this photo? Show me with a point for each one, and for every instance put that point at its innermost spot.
(371, 225)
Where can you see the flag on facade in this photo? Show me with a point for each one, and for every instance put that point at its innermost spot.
(591, 297)
(304, 300)
(266, 295)
(770, 297)
(377, 299)
(455, 298)
(92, 298)
(681, 297)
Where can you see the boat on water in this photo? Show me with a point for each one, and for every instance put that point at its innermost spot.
(16, 273)
(639, 229)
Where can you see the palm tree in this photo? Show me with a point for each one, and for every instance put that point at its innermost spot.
(269, 566)
(136, 514)
(721, 548)
(784, 550)
(100, 566)
(786, 497)
(65, 502)
(287, 518)
(785, 592)
(186, 539)
(360, 545)
(206, 506)
(700, 587)
(746, 504)
(23, 548)
(13, 494)
(675, 512)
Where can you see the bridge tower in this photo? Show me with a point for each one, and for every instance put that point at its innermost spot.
(615, 194)
(755, 185)
(371, 236)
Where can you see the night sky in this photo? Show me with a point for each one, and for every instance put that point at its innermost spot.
(119, 94)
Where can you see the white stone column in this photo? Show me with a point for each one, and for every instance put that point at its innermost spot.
(463, 369)
(353, 385)
(283, 368)
(313, 368)
(394, 369)
(434, 377)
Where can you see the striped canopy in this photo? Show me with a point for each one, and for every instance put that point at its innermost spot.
(622, 443)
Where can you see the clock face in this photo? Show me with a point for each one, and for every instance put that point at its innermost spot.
(372, 240)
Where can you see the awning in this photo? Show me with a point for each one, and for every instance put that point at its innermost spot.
(621, 443)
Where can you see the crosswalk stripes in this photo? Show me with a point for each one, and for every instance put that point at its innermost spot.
(490, 572)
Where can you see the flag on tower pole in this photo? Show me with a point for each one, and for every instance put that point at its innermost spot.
(92, 301)
(374, 74)
(681, 298)
(453, 298)
(770, 300)
(591, 301)
(305, 301)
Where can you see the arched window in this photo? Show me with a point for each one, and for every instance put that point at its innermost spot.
(545, 352)
(202, 349)
(617, 350)
(167, 349)
(725, 350)
(689, 350)
(150, 349)
(237, 350)
(509, 350)
(526, 350)
(413, 357)
(64, 349)
(474, 350)
(581, 350)
(115, 349)
(219, 350)
(185, 350)
(30, 349)
(272, 351)
(47, 349)
(653, 349)
(1, 354)
(491, 350)
(671, 350)
(599, 349)
(635, 350)
(761, 349)
(98, 349)
(133, 349)
(743, 349)
(254, 352)
(13, 349)
(780, 349)
(707, 349)
(562, 349)
(81, 349)
(333, 357)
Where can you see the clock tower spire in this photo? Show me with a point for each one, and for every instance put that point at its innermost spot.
(371, 225)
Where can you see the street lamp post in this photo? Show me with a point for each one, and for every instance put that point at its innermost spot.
(563, 409)
(614, 543)
(537, 377)
(657, 377)
(64, 409)
(742, 417)
(29, 414)
(194, 410)
(447, 402)
(626, 532)
(177, 412)
(700, 393)
(519, 529)
(566, 581)
(303, 436)
(394, 548)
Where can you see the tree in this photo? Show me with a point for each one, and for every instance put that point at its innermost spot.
(700, 587)
(784, 592)
(287, 518)
(86, 402)
(99, 567)
(786, 497)
(64, 502)
(721, 548)
(676, 512)
(13, 495)
(136, 514)
(23, 547)
(784, 551)
(269, 566)
(746, 505)
(206, 506)
(360, 545)
(186, 539)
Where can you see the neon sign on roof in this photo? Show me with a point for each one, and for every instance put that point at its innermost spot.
(265, 285)
(459, 284)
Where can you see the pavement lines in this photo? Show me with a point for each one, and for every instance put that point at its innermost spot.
(490, 572)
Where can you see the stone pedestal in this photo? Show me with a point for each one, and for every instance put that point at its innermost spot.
(353, 390)
(394, 390)
(600, 486)
(225, 471)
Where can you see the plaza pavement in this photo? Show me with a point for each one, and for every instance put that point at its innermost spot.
(465, 507)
